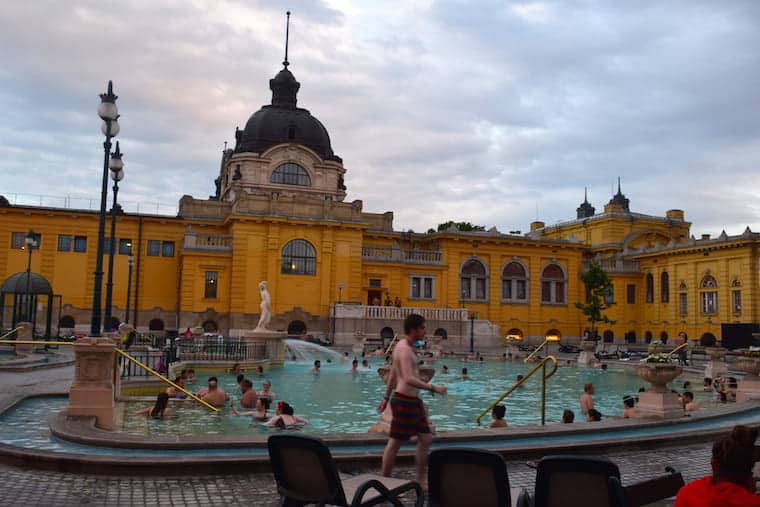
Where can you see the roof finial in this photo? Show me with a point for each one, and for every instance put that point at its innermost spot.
(287, 34)
(619, 192)
(585, 194)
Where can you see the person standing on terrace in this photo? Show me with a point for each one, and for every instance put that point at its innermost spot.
(409, 415)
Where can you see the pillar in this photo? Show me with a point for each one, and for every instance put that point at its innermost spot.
(92, 393)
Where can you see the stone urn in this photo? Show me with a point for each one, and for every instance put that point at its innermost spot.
(383, 425)
(658, 401)
(749, 386)
(716, 366)
(586, 356)
(359, 340)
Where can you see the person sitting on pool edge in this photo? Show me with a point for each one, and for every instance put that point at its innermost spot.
(731, 483)
(159, 410)
(497, 414)
(285, 417)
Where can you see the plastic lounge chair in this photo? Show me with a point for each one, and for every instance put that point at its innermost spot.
(563, 481)
(305, 473)
(467, 477)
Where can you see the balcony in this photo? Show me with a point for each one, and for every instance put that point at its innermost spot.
(194, 242)
(617, 266)
(401, 255)
(389, 313)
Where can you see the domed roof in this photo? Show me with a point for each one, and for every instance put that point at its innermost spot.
(283, 122)
(16, 284)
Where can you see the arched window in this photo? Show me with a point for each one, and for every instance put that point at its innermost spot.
(299, 258)
(608, 336)
(514, 283)
(210, 326)
(113, 324)
(708, 295)
(442, 333)
(291, 174)
(630, 337)
(648, 337)
(386, 335)
(552, 284)
(708, 340)
(665, 287)
(473, 279)
(664, 337)
(67, 321)
(736, 296)
(650, 288)
(156, 325)
(296, 327)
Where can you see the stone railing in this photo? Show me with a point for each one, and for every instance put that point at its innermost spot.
(394, 254)
(400, 313)
(616, 265)
(207, 242)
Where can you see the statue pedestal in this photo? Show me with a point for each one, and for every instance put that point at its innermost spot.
(24, 334)
(383, 425)
(717, 366)
(265, 345)
(92, 392)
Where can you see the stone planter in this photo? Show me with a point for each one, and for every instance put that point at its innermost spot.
(383, 425)
(588, 345)
(749, 386)
(586, 357)
(658, 401)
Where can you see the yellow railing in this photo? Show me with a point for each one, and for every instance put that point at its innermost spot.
(544, 377)
(393, 342)
(10, 333)
(165, 380)
(538, 349)
(677, 349)
(33, 342)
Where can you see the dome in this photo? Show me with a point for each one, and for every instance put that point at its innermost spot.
(16, 284)
(283, 122)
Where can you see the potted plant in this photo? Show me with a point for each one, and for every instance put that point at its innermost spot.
(658, 369)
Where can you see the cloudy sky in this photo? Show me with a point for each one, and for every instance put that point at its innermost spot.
(491, 112)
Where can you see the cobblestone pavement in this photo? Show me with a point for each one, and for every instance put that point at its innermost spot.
(33, 487)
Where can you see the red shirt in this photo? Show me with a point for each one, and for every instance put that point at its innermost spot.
(704, 493)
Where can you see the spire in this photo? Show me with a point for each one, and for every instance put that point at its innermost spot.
(284, 85)
(585, 210)
(619, 192)
(620, 202)
(285, 62)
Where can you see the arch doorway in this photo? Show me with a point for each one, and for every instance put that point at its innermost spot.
(708, 340)
(386, 334)
(156, 325)
(296, 327)
(210, 327)
(442, 333)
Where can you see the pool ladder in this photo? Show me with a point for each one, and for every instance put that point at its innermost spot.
(544, 376)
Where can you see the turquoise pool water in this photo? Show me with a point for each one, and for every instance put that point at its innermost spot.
(337, 401)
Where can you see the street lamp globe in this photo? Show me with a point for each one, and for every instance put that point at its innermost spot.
(30, 239)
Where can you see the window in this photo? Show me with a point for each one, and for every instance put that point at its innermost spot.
(375, 283)
(631, 294)
(125, 247)
(421, 287)
(212, 280)
(708, 295)
(18, 241)
(683, 303)
(736, 298)
(167, 249)
(472, 278)
(106, 245)
(650, 288)
(609, 295)
(154, 248)
(665, 287)
(299, 258)
(553, 285)
(291, 174)
(64, 243)
(80, 243)
(514, 283)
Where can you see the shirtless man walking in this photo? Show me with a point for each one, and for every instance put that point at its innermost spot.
(409, 417)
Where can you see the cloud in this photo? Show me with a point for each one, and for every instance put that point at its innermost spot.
(440, 110)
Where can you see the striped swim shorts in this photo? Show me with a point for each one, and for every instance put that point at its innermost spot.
(409, 417)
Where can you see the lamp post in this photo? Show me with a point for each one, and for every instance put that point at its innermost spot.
(109, 113)
(131, 262)
(340, 291)
(473, 316)
(30, 240)
(116, 165)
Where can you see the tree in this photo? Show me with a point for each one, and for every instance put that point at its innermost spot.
(461, 226)
(598, 286)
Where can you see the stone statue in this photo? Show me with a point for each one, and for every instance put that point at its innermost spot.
(266, 308)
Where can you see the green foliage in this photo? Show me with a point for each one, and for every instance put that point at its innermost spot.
(598, 285)
(462, 226)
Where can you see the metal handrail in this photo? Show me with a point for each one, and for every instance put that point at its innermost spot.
(33, 342)
(11, 332)
(544, 376)
(165, 380)
(677, 348)
(393, 342)
(538, 349)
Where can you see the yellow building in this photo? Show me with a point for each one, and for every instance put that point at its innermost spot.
(279, 214)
